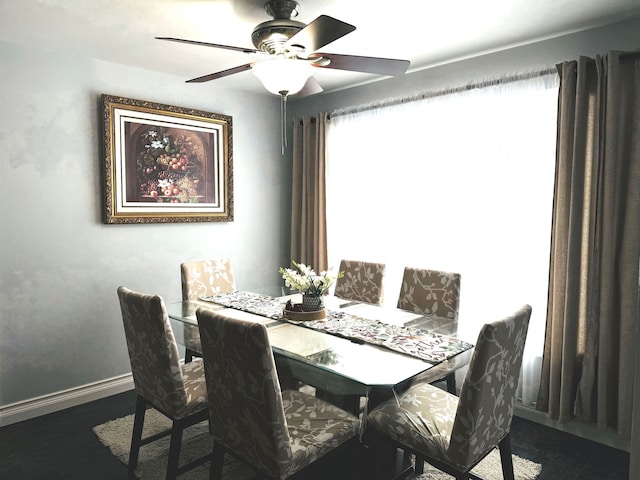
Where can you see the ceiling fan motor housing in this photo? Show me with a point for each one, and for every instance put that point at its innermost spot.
(271, 36)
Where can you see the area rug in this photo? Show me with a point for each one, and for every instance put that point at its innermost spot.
(152, 460)
(196, 442)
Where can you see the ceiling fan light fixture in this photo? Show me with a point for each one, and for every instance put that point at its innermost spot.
(283, 75)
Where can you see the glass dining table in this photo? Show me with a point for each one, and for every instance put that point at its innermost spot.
(358, 350)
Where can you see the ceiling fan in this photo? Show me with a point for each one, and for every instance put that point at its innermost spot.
(287, 52)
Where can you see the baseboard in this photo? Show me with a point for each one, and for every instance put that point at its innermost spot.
(54, 402)
(575, 427)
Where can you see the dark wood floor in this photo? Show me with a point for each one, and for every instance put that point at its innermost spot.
(63, 446)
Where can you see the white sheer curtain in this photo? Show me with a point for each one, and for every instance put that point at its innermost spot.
(461, 182)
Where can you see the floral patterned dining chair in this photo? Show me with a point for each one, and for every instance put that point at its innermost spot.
(276, 432)
(203, 278)
(362, 281)
(430, 292)
(455, 433)
(177, 391)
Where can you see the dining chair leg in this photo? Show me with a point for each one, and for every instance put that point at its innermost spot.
(385, 458)
(136, 436)
(451, 383)
(188, 355)
(419, 464)
(174, 450)
(506, 458)
(359, 459)
(217, 462)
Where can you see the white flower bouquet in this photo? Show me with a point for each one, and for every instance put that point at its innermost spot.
(305, 280)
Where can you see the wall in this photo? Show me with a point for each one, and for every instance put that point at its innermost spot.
(60, 324)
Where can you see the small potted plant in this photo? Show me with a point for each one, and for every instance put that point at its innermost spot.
(312, 285)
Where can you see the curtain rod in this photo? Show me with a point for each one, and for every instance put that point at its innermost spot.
(424, 95)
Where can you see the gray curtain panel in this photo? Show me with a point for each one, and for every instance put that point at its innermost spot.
(588, 359)
(308, 200)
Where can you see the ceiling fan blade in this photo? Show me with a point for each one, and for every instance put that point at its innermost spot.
(207, 44)
(310, 88)
(379, 66)
(223, 73)
(322, 31)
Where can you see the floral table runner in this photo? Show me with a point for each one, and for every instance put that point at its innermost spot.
(428, 346)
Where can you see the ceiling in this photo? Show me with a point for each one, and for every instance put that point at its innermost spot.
(426, 32)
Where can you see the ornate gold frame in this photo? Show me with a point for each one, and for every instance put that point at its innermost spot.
(165, 164)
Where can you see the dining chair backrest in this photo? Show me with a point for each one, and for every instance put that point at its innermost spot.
(361, 281)
(430, 292)
(153, 352)
(202, 278)
(245, 401)
(488, 394)
(277, 432)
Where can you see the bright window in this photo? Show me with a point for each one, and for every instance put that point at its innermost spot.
(461, 182)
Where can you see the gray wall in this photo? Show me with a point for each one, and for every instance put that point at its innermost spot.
(60, 325)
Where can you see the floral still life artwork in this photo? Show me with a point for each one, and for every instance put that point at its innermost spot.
(165, 164)
(170, 166)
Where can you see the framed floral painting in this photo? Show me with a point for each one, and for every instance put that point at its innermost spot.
(165, 164)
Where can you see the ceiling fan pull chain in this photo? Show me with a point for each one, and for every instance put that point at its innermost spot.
(283, 119)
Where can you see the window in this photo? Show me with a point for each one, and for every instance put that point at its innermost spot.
(461, 182)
